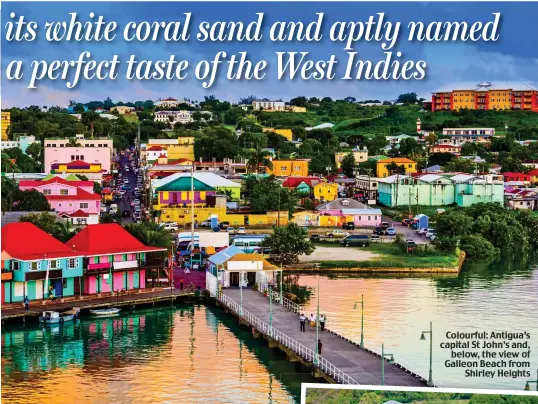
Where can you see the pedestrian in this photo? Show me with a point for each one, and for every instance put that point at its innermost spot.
(312, 322)
(26, 304)
(302, 320)
(320, 346)
(322, 322)
(181, 284)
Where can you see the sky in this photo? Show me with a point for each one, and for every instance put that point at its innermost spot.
(513, 57)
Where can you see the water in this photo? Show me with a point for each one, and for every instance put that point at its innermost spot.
(182, 354)
(502, 296)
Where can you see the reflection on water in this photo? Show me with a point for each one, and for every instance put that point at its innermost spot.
(484, 297)
(185, 354)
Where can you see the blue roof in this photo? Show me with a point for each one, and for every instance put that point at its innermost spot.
(224, 255)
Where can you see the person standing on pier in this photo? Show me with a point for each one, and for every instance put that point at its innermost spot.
(181, 284)
(26, 304)
(302, 320)
(322, 322)
(320, 346)
(312, 322)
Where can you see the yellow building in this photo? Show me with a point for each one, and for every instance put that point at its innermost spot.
(382, 167)
(180, 148)
(76, 166)
(488, 96)
(325, 192)
(289, 168)
(359, 155)
(6, 121)
(296, 109)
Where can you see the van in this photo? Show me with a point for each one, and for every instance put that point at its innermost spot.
(113, 209)
(356, 240)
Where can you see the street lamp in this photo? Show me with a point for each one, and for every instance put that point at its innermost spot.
(316, 357)
(391, 361)
(528, 387)
(423, 338)
(362, 320)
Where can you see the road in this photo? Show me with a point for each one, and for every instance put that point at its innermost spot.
(125, 202)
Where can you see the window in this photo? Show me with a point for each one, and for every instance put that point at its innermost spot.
(47, 192)
(34, 266)
(54, 264)
(64, 192)
(15, 265)
(82, 157)
(72, 157)
(72, 263)
(284, 168)
(124, 257)
(96, 260)
(84, 205)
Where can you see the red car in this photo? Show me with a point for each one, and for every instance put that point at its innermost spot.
(407, 222)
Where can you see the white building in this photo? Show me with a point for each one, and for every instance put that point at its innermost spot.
(268, 105)
(21, 143)
(167, 102)
(182, 117)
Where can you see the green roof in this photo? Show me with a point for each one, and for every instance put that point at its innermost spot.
(70, 177)
(184, 184)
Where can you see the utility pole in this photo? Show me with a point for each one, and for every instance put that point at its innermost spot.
(192, 210)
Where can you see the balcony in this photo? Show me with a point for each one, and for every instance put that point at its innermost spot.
(124, 266)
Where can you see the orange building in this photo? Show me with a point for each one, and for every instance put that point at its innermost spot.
(487, 96)
(289, 168)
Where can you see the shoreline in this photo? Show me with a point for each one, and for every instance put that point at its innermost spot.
(316, 268)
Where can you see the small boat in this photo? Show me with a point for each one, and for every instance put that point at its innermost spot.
(54, 317)
(105, 312)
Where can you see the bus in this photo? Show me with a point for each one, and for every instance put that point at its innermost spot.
(250, 243)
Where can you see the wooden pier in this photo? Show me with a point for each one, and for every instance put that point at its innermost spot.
(341, 361)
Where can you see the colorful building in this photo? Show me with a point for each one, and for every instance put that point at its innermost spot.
(487, 96)
(460, 136)
(180, 148)
(36, 262)
(524, 179)
(360, 155)
(325, 192)
(77, 166)
(282, 132)
(289, 168)
(21, 143)
(178, 192)
(58, 151)
(4, 123)
(442, 148)
(407, 165)
(342, 210)
(303, 185)
(213, 181)
(68, 197)
(116, 260)
(268, 105)
(534, 175)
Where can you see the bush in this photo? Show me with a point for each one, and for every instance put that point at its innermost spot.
(478, 247)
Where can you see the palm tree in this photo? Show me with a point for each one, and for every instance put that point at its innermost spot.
(151, 234)
(64, 230)
(257, 159)
(73, 142)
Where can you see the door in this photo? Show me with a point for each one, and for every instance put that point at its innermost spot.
(136, 279)
(97, 284)
(125, 281)
(39, 289)
(234, 279)
(58, 289)
(251, 278)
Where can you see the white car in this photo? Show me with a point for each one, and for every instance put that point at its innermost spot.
(122, 191)
(171, 226)
(230, 230)
(241, 230)
(136, 201)
(126, 180)
(422, 231)
(430, 233)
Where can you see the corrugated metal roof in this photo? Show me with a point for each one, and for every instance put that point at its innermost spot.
(224, 255)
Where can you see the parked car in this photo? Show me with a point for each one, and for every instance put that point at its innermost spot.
(385, 225)
(428, 232)
(241, 230)
(348, 226)
(224, 225)
(407, 222)
(356, 240)
(336, 233)
(379, 231)
(113, 209)
(126, 180)
(391, 231)
(422, 231)
(136, 201)
(230, 230)
(374, 238)
(171, 226)
(315, 237)
(432, 237)
(205, 223)
(103, 208)
(125, 213)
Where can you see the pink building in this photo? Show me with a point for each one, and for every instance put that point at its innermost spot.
(68, 197)
(115, 259)
(346, 209)
(91, 155)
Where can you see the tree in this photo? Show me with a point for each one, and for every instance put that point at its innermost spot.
(64, 230)
(298, 102)
(35, 151)
(409, 147)
(216, 142)
(288, 243)
(150, 234)
(73, 142)
(348, 164)
(268, 195)
(298, 132)
(44, 221)
(478, 247)
(97, 188)
(234, 115)
(247, 100)
(407, 98)
(8, 193)
(440, 158)
(30, 201)
(258, 159)
(350, 99)
(394, 168)
(253, 140)
(454, 223)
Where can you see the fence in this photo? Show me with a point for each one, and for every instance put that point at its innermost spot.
(298, 348)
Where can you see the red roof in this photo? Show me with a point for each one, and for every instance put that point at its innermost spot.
(107, 238)
(162, 156)
(80, 195)
(533, 172)
(79, 213)
(155, 148)
(509, 174)
(56, 180)
(25, 241)
(293, 182)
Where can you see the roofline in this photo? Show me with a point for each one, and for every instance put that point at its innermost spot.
(45, 258)
(125, 252)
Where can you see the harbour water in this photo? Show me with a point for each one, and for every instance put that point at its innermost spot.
(501, 296)
(182, 354)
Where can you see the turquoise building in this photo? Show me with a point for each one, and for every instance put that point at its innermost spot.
(440, 190)
(34, 261)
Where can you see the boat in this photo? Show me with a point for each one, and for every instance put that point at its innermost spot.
(105, 312)
(54, 317)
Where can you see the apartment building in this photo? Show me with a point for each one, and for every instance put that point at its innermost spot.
(268, 105)
(6, 121)
(487, 96)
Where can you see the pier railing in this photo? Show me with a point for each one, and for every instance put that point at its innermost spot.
(287, 303)
(306, 353)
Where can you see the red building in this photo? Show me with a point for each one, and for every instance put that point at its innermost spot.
(520, 177)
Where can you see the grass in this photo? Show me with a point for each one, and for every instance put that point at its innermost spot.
(131, 118)
(391, 256)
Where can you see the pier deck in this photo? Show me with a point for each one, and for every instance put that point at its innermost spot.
(361, 365)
